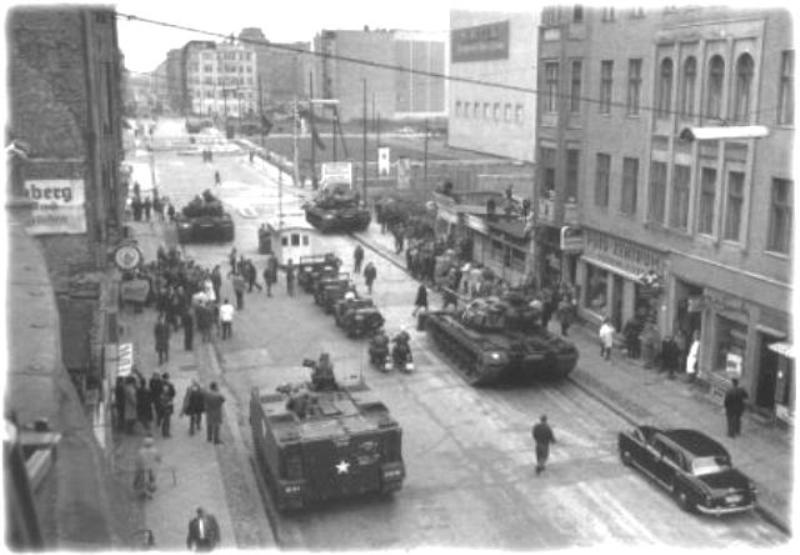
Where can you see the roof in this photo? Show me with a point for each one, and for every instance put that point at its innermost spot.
(696, 442)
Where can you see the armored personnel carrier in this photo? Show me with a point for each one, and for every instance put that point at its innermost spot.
(337, 210)
(319, 441)
(204, 220)
(498, 339)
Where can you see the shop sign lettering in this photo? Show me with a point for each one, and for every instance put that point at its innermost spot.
(58, 206)
(623, 253)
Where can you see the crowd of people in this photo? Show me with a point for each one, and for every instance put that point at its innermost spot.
(144, 208)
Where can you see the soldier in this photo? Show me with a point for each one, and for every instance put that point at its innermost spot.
(542, 437)
(358, 258)
(370, 273)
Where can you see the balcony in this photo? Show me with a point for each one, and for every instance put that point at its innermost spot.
(547, 212)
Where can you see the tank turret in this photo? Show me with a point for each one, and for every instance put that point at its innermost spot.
(204, 219)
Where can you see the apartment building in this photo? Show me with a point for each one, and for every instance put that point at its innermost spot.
(219, 79)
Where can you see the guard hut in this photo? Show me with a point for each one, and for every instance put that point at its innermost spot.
(290, 238)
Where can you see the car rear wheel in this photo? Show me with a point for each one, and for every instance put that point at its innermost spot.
(682, 499)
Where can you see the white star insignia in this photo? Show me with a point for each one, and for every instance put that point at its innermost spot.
(343, 467)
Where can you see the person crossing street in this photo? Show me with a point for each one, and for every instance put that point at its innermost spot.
(542, 436)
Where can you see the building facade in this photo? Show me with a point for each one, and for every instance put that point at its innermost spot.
(282, 69)
(499, 48)
(391, 93)
(219, 79)
(709, 220)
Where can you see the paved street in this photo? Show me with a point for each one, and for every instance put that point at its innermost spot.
(468, 452)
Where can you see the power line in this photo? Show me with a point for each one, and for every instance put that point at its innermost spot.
(427, 73)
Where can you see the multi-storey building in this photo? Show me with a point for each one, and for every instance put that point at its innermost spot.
(219, 79)
(174, 80)
(499, 49)
(391, 93)
(710, 221)
(282, 69)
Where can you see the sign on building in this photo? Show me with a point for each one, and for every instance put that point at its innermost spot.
(337, 173)
(58, 206)
(571, 239)
(384, 163)
(480, 43)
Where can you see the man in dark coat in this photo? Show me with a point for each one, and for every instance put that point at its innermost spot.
(734, 407)
(156, 387)
(370, 273)
(216, 280)
(161, 333)
(203, 532)
(252, 276)
(188, 329)
(542, 437)
(670, 356)
(213, 406)
(194, 406)
(422, 299)
(144, 404)
(167, 404)
(290, 278)
(358, 258)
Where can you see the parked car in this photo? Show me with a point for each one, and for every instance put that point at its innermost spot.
(694, 468)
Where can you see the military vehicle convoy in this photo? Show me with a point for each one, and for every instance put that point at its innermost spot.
(337, 210)
(358, 317)
(312, 267)
(319, 441)
(497, 339)
(204, 220)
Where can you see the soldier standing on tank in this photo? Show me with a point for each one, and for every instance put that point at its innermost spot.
(542, 437)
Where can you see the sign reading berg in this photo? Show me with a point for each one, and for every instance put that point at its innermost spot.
(58, 206)
(479, 43)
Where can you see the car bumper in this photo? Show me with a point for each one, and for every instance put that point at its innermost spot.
(719, 511)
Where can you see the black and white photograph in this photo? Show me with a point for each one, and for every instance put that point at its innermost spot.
(366, 276)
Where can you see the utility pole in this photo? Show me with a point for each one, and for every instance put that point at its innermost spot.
(333, 132)
(425, 173)
(314, 183)
(261, 115)
(295, 123)
(364, 167)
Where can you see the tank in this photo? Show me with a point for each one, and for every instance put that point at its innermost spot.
(495, 340)
(204, 220)
(320, 441)
(341, 211)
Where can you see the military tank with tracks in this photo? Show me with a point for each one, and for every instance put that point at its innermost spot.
(337, 210)
(204, 220)
(495, 340)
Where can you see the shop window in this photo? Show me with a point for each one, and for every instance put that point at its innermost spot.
(780, 220)
(634, 85)
(551, 87)
(731, 345)
(630, 182)
(786, 90)
(658, 191)
(679, 213)
(575, 87)
(733, 208)
(596, 289)
(688, 87)
(716, 75)
(606, 85)
(744, 81)
(708, 185)
(602, 172)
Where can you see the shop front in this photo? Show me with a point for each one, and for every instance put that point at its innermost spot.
(558, 250)
(620, 279)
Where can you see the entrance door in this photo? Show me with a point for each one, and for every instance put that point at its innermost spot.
(616, 299)
(767, 373)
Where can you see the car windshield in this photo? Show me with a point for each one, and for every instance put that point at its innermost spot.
(709, 465)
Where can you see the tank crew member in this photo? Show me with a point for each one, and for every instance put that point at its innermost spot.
(323, 376)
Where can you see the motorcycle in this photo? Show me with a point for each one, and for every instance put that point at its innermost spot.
(401, 355)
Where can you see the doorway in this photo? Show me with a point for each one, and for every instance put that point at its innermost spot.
(616, 301)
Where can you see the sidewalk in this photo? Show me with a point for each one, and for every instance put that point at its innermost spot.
(193, 472)
(764, 451)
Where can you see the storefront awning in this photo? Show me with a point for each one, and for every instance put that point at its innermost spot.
(783, 348)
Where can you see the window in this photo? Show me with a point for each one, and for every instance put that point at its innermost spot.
(780, 217)
(679, 212)
(786, 91)
(708, 185)
(744, 81)
(716, 74)
(458, 108)
(575, 87)
(551, 87)
(733, 209)
(486, 109)
(577, 14)
(602, 172)
(634, 85)
(606, 84)
(549, 170)
(658, 191)
(688, 86)
(637, 13)
(664, 101)
(608, 14)
(630, 179)
(507, 112)
(476, 109)
(519, 115)
(496, 111)
(573, 167)
(596, 288)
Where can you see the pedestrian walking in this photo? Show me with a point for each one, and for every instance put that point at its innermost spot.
(565, 314)
(270, 274)
(290, 278)
(232, 260)
(542, 437)
(203, 532)
(216, 281)
(693, 357)
(130, 404)
(239, 286)
(670, 356)
(252, 275)
(370, 273)
(421, 302)
(147, 205)
(226, 312)
(167, 404)
(194, 406)
(187, 321)
(171, 212)
(735, 398)
(217, 179)
(144, 404)
(161, 333)
(156, 387)
(213, 406)
(147, 460)
(606, 334)
(631, 331)
(358, 258)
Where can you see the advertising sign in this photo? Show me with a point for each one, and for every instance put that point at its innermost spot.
(127, 257)
(125, 360)
(383, 161)
(733, 365)
(571, 239)
(334, 173)
(134, 290)
(59, 206)
(480, 43)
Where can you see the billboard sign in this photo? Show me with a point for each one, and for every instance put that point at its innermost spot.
(336, 173)
(384, 164)
(58, 206)
(480, 43)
